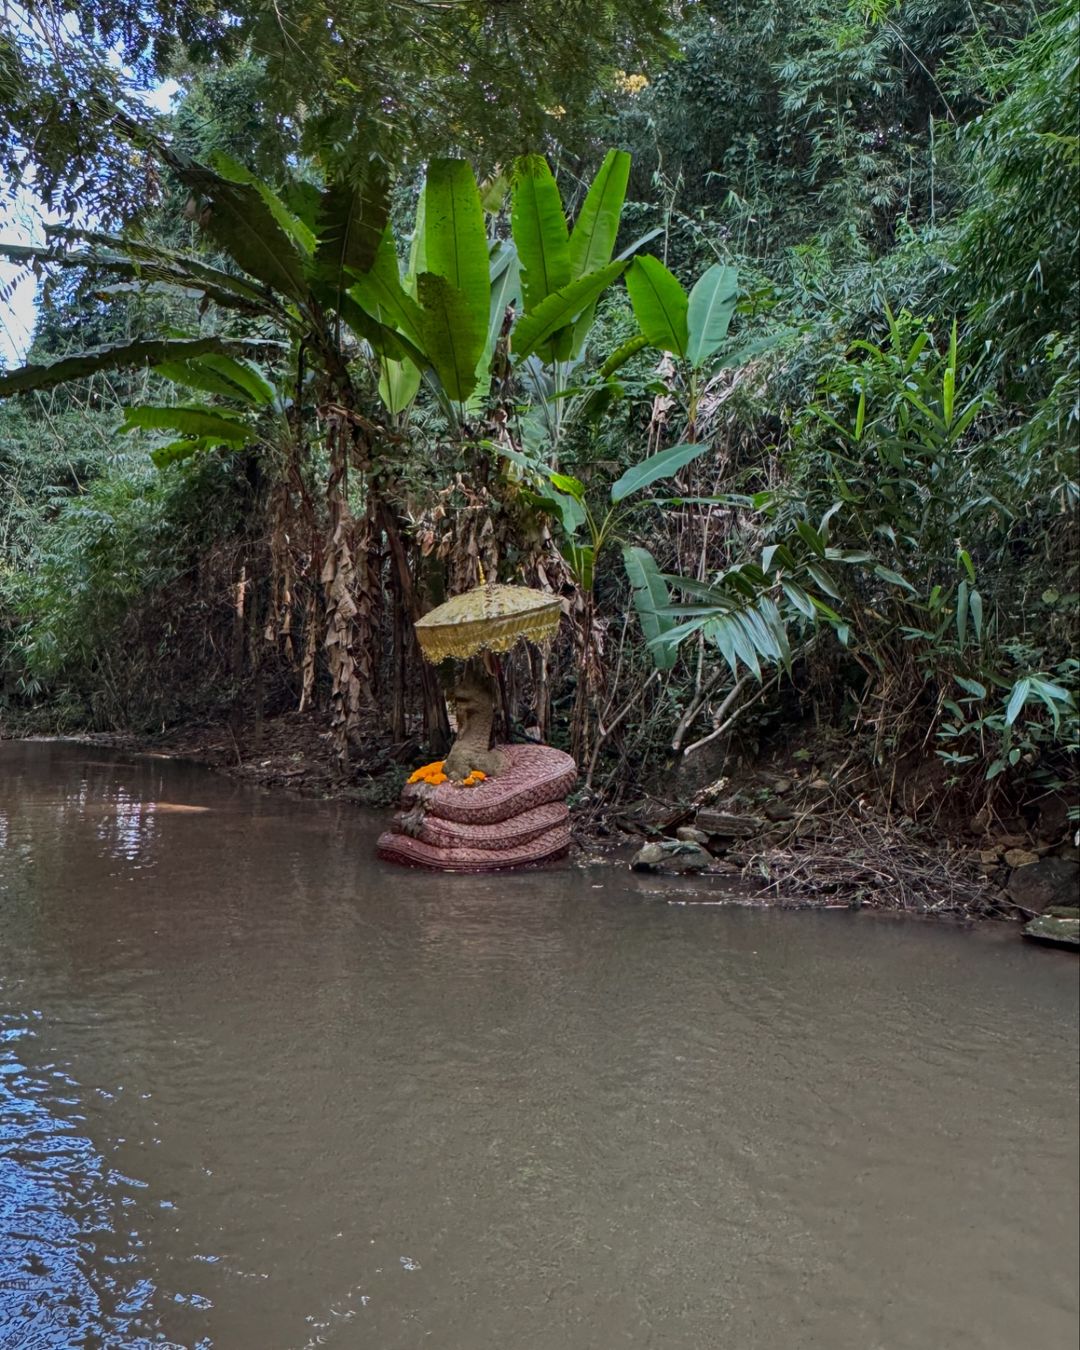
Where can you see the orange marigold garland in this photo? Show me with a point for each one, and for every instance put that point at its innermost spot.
(433, 774)
(430, 773)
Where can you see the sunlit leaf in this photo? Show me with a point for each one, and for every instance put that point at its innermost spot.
(661, 465)
(660, 305)
(711, 305)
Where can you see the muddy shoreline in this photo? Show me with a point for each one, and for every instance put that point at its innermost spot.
(782, 839)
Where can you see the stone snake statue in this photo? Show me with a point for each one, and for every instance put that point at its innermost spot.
(514, 817)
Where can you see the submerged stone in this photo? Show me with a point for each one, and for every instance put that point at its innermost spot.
(1054, 932)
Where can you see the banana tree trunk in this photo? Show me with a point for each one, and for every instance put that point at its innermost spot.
(436, 720)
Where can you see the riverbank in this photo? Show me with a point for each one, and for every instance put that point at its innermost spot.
(793, 831)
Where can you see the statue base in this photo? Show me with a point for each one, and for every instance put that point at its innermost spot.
(518, 819)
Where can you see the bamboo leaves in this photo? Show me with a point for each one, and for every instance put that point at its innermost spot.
(1053, 696)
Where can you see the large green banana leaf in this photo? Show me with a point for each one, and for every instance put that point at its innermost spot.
(451, 341)
(712, 303)
(539, 230)
(299, 231)
(456, 249)
(151, 352)
(661, 465)
(238, 220)
(211, 424)
(651, 598)
(399, 382)
(560, 309)
(660, 305)
(380, 292)
(134, 259)
(592, 240)
(350, 222)
(217, 374)
(505, 291)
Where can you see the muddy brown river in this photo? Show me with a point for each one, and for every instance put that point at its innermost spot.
(261, 1092)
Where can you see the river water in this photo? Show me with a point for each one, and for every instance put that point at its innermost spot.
(261, 1092)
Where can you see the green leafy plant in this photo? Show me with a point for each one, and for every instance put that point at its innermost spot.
(589, 533)
(894, 512)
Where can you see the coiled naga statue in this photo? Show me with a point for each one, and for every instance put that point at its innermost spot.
(485, 807)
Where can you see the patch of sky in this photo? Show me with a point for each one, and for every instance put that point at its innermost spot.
(23, 219)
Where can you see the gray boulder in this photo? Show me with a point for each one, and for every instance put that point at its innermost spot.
(1042, 884)
(672, 856)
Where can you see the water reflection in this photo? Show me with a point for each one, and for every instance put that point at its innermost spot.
(127, 827)
(124, 818)
(72, 1270)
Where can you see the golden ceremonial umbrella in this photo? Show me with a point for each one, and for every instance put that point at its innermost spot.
(490, 617)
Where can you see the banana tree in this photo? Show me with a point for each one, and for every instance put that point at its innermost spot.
(294, 253)
(292, 258)
(254, 408)
(693, 327)
(560, 266)
(451, 305)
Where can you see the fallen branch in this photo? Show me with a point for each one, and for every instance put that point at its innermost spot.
(603, 732)
(730, 698)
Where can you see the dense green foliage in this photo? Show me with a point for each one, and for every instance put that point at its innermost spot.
(479, 75)
(805, 359)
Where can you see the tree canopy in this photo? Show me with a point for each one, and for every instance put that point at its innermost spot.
(412, 77)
